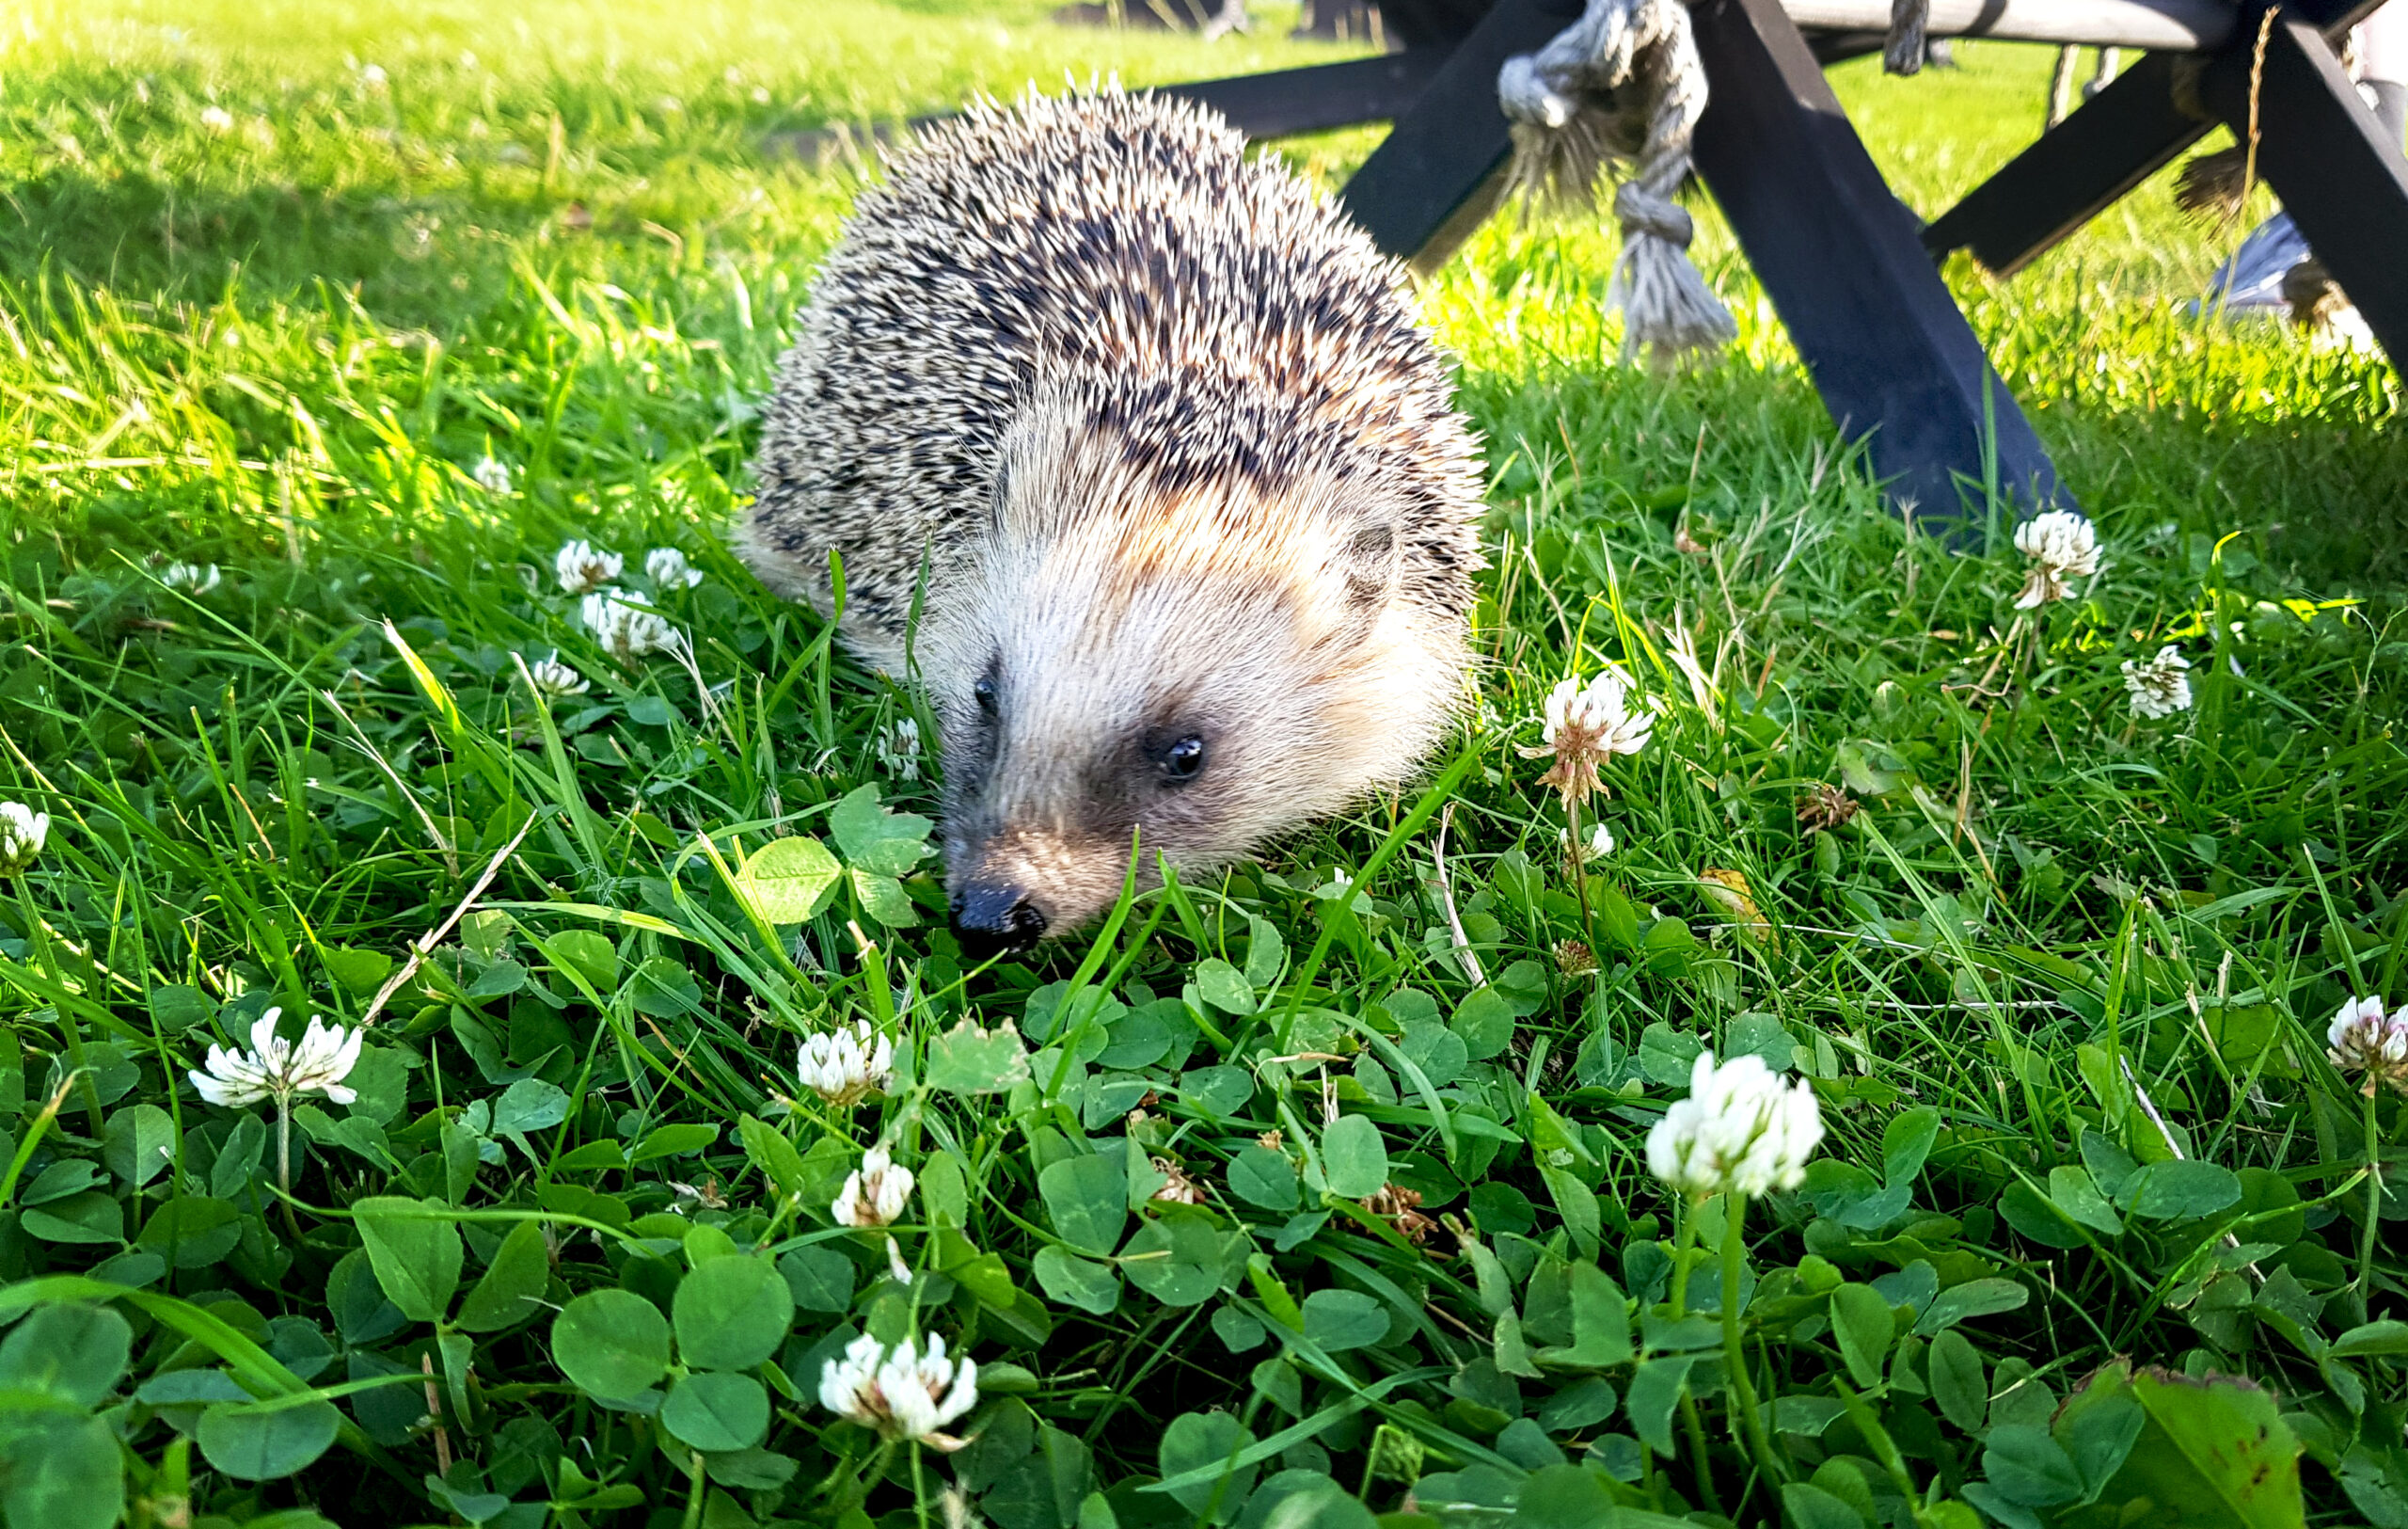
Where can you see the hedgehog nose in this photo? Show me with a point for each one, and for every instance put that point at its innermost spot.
(995, 920)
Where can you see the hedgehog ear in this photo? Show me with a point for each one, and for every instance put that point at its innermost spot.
(1368, 562)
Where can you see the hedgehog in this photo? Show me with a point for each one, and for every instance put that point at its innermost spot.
(1133, 453)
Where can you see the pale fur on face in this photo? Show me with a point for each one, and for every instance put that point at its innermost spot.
(1116, 616)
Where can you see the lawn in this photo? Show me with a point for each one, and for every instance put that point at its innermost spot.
(325, 329)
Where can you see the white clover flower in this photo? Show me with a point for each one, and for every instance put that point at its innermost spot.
(1741, 1128)
(2062, 545)
(1599, 844)
(2364, 1038)
(626, 630)
(1584, 727)
(580, 567)
(373, 76)
(899, 749)
(2161, 687)
(894, 1264)
(277, 1069)
(666, 568)
(906, 1394)
(192, 578)
(492, 476)
(553, 678)
(23, 833)
(217, 120)
(845, 1067)
(875, 1194)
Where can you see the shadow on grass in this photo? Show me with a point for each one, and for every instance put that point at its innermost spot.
(440, 263)
(2326, 489)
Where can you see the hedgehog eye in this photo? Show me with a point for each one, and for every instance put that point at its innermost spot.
(1184, 760)
(985, 692)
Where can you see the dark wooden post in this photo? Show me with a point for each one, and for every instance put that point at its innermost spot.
(2123, 136)
(2073, 172)
(1439, 173)
(1894, 360)
(2340, 174)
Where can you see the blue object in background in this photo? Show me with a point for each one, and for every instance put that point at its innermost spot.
(2253, 278)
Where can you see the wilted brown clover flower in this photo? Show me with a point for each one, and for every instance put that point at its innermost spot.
(1825, 807)
(1401, 1208)
(1177, 1189)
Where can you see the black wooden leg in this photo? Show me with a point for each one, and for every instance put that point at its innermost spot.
(2072, 172)
(1435, 176)
(1894, 360)
(2340, 176)
(1314, 99)
(2125, 135)
(1320, 97)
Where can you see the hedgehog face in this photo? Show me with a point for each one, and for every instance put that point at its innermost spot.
(1183, 674)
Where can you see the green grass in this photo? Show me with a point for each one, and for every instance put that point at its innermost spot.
(281, 341)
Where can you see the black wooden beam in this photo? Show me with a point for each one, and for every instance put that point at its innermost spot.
(2072, 173)
(1320, 96)
(1313, 99)
(1430, 23)
(2122, 136)
(1840, 256)
(2340, 174)
(1437, 176)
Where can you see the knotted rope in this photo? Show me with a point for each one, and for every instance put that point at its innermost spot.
(1623, 83)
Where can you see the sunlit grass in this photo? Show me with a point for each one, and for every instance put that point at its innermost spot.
(288, 339)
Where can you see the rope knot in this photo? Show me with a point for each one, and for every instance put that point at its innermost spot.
(1526, 97)
(1640, 211)
(1623, 83)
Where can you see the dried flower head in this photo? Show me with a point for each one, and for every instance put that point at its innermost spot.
(1741, 1128)
(553, 678)
(875, 1193)
(666, 568)
(846, 1066)
(908, 1393)
(1825, 807)
(278, 1069)
(1178, 1188)
(626, 630)
(2062, 545)
(2364, 1038)
(23, 833)
(192, 578)
(581, 566)
(1401, 1208)
(1573, 958)
(2161, 687)
(492, 476)
(1585, 727)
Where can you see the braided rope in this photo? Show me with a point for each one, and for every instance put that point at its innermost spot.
(1623, 83)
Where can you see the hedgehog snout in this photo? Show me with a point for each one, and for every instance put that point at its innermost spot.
(992, 919)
